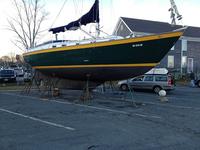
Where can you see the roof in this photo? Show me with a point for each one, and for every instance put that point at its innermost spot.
(149, 26)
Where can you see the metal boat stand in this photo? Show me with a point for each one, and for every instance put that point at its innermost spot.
(130, 92)
(86, 95)
(45, 85)
(35, 81)
(110, 89)
(125, 94)
(48, 87)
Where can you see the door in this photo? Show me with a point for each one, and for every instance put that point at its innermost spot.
(137, 82)
(190, 65)
(148, 82)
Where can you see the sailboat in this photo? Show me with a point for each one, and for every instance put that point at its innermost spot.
(99, 59)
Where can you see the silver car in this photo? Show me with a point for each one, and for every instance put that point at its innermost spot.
(154, 82)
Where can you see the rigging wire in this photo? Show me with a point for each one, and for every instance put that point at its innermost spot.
(75, 7)
(113, 14)
(81, 10)
(62, 7)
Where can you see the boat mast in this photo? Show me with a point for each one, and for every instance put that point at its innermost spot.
(97, 30)
(97, 23)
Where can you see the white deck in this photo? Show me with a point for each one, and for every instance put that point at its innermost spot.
(63, 43)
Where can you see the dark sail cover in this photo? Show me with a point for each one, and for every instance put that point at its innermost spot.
(91, 17)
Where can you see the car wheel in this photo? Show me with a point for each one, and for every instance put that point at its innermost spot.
(198, 84)
(124, 87)
(156, 89)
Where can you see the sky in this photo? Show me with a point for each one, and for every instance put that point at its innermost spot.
(110, 11)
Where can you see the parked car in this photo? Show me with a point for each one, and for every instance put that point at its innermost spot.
(154, 82)
(19, 72)
(197, 82)
(7, 75)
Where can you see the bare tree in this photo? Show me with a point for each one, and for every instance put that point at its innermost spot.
(30, 15)
(6, 59)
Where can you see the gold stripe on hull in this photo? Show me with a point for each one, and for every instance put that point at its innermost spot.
(97, 66)
(107, 43)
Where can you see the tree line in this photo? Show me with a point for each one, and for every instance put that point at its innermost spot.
(11, 60)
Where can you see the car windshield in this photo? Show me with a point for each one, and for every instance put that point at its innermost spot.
(6, 72)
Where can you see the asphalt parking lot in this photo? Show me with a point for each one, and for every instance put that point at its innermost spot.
(110, 121)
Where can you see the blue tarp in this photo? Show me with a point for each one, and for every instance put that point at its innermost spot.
(91, 17)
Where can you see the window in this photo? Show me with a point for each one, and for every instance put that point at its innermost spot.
(148, 78)
(184, 45)
(173, 48)
(161, 78)
(190, 65)
(138, 78)
(122, 27)
(170, 62)
(184, 61)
